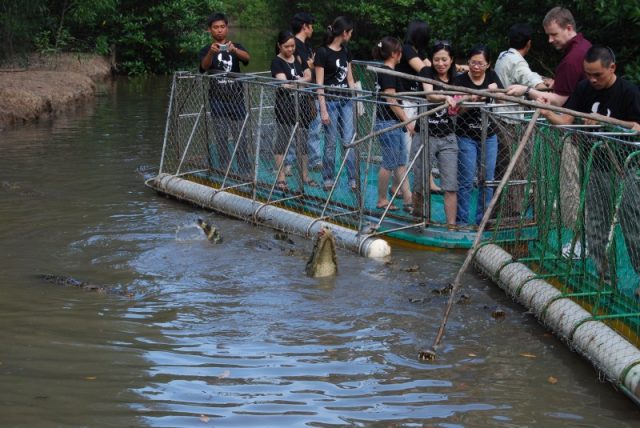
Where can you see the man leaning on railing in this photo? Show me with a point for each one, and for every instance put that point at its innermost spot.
(602, 92)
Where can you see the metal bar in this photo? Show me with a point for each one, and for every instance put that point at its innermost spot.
(387, 231)
(256, 162)
(284, 158)
(235, 148)
(268, 203)
(193, 131)
(166, 127)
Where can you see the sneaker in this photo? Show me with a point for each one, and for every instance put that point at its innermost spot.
(577, 251)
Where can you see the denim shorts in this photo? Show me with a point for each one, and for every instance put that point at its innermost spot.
(394, 152)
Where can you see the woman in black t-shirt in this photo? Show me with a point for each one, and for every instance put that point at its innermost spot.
(443, 145)
(285, 67)
(469, 132)
(388, 113)
(333, 69)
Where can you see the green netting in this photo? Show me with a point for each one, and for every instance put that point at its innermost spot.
(583, 188)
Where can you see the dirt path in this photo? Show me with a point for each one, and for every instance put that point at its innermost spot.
(50, 84)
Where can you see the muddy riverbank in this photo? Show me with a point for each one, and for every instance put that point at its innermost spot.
(49, 84)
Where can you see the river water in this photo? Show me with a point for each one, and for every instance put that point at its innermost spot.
(235, 334)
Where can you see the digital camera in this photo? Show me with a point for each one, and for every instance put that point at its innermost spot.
(223, 48)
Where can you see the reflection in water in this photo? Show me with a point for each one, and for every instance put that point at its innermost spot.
(236, 334)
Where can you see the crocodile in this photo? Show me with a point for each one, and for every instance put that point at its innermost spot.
(67, 281)
(212, 233)
(323, 262)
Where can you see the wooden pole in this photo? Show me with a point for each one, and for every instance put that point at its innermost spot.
(502, 97)
(430, 354)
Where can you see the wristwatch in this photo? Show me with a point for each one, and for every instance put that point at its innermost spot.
(526, 93)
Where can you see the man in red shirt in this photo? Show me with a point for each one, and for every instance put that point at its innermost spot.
(560, 26)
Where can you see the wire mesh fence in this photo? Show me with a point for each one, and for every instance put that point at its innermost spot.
(582, 183)
(263, 139)
(569, 212)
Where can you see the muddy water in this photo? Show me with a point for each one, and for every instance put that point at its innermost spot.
(235, 334)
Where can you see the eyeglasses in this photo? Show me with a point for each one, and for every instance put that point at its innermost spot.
(477, 64)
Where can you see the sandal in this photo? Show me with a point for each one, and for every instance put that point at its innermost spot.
(312, 183)
(408, 208)
(392, 191)
(282, 186)
(383, 207)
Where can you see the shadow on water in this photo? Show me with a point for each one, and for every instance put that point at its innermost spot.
(235, 334)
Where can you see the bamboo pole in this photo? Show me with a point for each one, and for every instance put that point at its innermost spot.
(430, 353)
(502, 97)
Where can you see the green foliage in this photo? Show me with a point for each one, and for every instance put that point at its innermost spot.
(253, 13)
(159, 36)
(468, 22)
(19, 23)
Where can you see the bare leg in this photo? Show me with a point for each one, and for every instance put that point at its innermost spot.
(450, 206)
(406, 193)
(305, 168)
(383, 183)
(279, 161)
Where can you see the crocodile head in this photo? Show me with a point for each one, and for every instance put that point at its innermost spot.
(322, 262)
(210, 231)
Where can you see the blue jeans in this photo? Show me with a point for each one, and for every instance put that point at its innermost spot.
(341, 122)
(313, 150)
(469, 163)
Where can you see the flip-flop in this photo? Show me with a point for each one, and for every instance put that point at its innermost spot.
(282, 186)
(391, 191)
(408, 208)
(391, 208)
(312, 183)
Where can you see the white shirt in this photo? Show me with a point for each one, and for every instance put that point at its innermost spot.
(513, 69)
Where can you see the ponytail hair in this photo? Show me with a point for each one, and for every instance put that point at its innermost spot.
(283, 37)
(339, 26)
(385, 48)
(418, 34)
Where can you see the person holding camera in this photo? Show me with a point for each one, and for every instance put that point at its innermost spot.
(226, 98)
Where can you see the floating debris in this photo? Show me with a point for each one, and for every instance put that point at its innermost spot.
(427, 355)
(283, 236)
(463, 299)
(447, 289)
(498, 313)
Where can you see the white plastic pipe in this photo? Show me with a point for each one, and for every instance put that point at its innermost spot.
(278, 218)
(611, 353)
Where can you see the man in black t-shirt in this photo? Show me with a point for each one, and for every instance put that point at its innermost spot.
(226, 98)
(606, 94)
